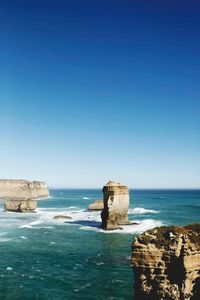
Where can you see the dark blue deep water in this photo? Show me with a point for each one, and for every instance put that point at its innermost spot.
(42, 258)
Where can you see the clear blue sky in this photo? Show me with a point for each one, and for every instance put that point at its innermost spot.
(99, 90)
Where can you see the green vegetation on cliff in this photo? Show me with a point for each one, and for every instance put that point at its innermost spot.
(160, 236)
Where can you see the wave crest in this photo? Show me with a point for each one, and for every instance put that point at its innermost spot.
(141, 211)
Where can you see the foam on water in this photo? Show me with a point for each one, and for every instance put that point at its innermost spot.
(78, 249)
(23, 237)
(86, 220)
(141, 210)
(4, 240)
(57, 208)
(37, 222)
(3, 233)
(138, 228)
(25, 226)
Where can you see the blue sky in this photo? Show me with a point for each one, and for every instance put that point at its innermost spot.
(99, 90)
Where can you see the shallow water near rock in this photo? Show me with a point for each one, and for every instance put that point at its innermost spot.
(44, 258)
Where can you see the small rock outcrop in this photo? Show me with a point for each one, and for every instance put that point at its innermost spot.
(62, 217)
(166, 263)
(22, 205)
(11, 188)
(116, 205)
(97, 205)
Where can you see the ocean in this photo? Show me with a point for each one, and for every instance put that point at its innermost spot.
(42, 258)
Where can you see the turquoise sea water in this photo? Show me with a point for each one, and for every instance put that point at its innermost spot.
(42, 258)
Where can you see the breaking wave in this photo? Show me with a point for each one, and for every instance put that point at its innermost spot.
(74, 215)
(141, 210)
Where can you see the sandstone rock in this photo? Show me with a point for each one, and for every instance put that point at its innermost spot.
(22, 205)
(97, 205)
(116, 205)
(166, 263)
(62, 217)
(10, 188)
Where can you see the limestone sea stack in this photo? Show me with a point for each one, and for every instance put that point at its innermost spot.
(116, 205)
(166, 263)
(22, 205)
(97, 205)
(20, 195)
(11, 188)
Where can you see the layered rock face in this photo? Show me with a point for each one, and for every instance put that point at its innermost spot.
(166, 263)
(22, 189)
(97, 205)
(22, 205)
(116, 205)
(19, 194)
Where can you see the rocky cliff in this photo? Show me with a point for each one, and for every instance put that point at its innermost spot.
(22, 189)
(116, 205)
(166, 263)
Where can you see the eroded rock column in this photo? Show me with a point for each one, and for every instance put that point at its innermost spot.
(116, 205)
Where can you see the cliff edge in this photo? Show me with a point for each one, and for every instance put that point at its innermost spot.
(22, 189)
(166, 263)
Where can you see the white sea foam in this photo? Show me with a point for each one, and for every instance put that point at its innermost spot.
(57, 208)
(37, 222)
(4, 240)
(91, 220)
(25, 226)
(86, 198)
(23, 237)
(89, 228)
(138, 228)
(3, 233)
(84, 219)
(100, 263)
(141, 210)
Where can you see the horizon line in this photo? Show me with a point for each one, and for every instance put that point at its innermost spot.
(131, 188)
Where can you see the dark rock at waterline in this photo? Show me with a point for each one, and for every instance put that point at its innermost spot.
(62, 217)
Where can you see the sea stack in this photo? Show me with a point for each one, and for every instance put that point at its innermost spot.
(166, 263)
(20, 195)
(116, 205)
(22, 205)
(97, 205)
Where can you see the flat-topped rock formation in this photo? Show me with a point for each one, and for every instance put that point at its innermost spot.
(22, 205)
(97, 205)
(116, 205)
(166, 263)
(20, 194)
(11, 188)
